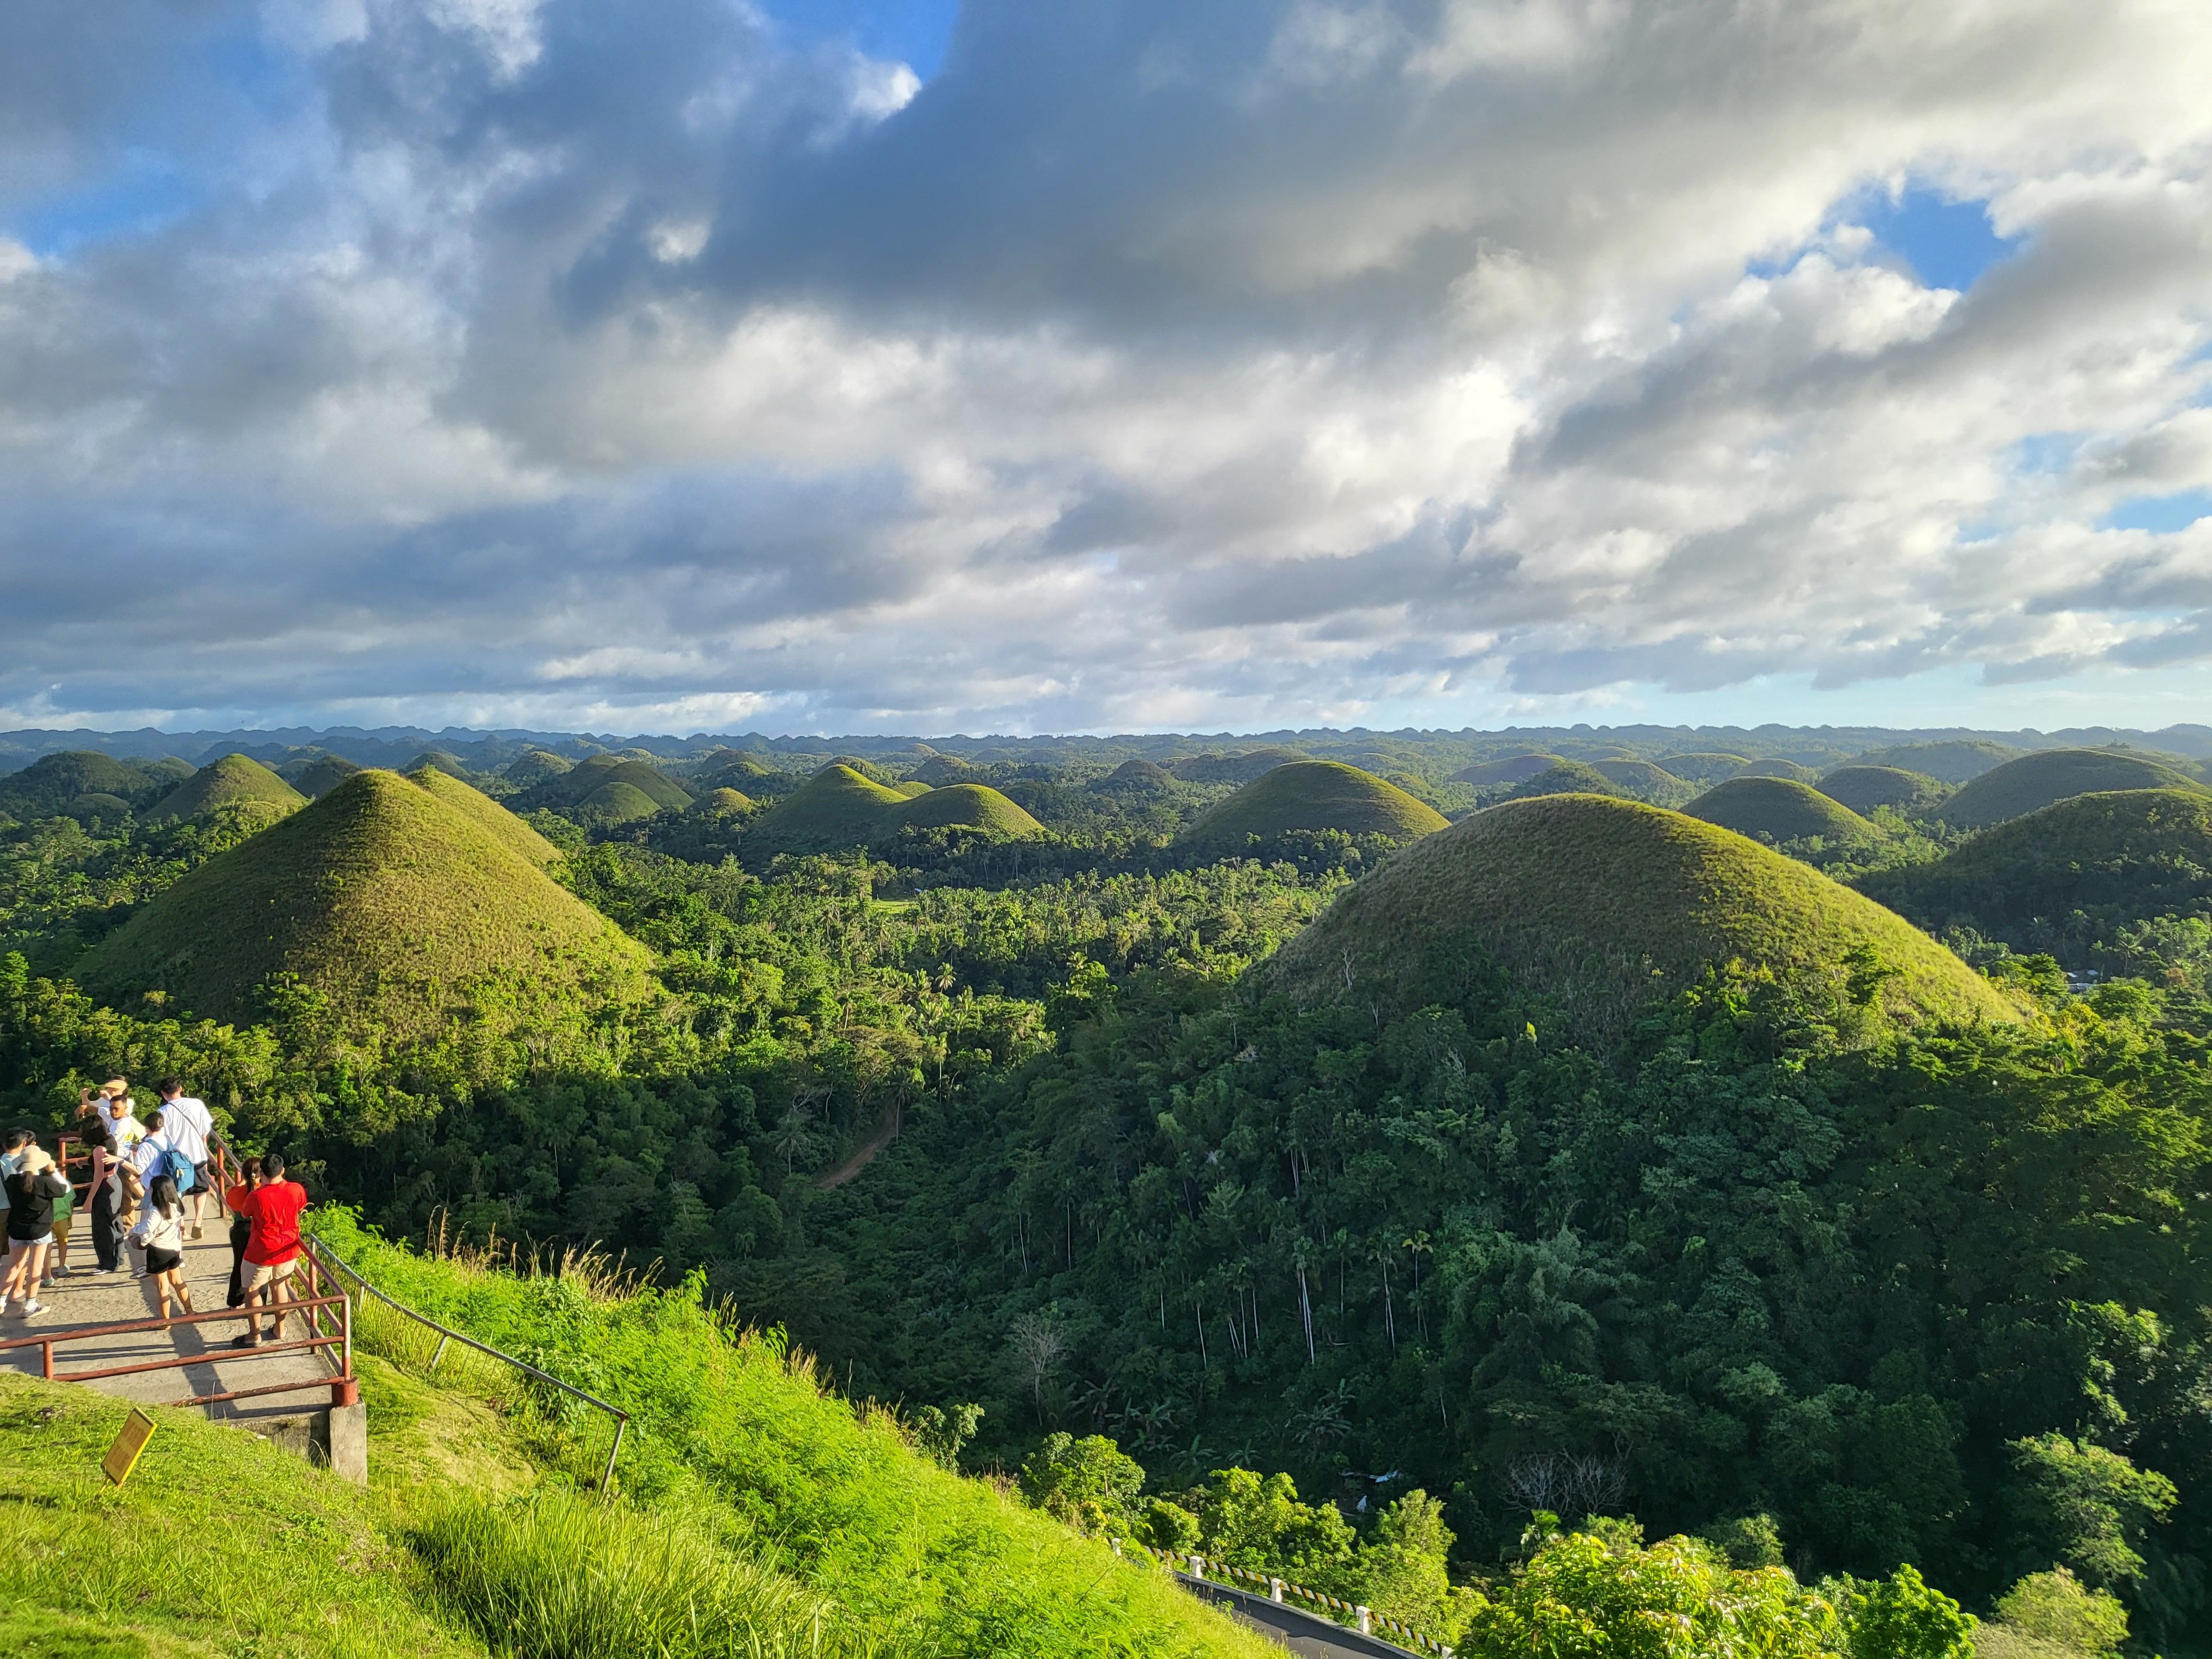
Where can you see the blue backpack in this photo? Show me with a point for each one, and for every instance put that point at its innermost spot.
(179, 1169)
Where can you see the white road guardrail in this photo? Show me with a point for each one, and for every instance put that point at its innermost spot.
(1366, 1621)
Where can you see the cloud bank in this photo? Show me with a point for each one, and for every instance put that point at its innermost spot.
(570, 363)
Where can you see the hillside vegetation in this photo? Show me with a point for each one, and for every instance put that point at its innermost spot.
(1951, 760)
(1641, 779)
(1512, 768)
(1609, 904)
(1315, 795)
(402, 915)
(2081, 877)
(1866, 789)
(2034, 782)
(45, 788)
(838, 808)
(1779, 769)
(487, 815)
(1567, 778)
(1776, 809)
(317, 777)
(1245, 767)
(232, 781)
(607, 789)
(1704, 765)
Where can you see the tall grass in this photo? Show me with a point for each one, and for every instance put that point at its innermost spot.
(557, 1577)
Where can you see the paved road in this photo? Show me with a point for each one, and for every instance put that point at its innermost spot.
(86, 1298)
(1303, 1633)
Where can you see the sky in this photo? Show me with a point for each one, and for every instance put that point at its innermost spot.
(927, 366)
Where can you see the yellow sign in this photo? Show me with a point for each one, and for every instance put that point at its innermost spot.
(123, 1456)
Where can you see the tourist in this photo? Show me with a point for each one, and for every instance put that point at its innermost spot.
(161, 1234)
(274, 1208)
(31, 1189)
(241, 1227)
(191, 1131)
(112, 1102)
(105, 1200)
(64, 1212)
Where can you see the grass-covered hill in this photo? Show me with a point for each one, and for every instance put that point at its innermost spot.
(1511, 769)
(1567, 778)
(232, 781)
(2076, 873)
(729, 802)
(488, 815)
(1313, 795)
(607, 789)
(1866, 789)
(940, 770)
(318, 774)
(749, 777)
(404, 909)
(1952, 761)
(1778, 767)
(1609, 904)
(1704, 765)
(1244, 768)
(1641, 778)
(837, 808)
(45, 788)
(440, 760)
(1137, 775)
(1776, 809)
(533, 767)
(2036, 781)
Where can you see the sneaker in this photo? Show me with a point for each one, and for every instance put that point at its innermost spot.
(34, 1306)
(103, 1273)
(60, 1272)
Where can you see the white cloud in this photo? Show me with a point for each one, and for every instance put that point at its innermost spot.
(1255, 364)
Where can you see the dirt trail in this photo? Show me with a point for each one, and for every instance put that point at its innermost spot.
(885, 1133)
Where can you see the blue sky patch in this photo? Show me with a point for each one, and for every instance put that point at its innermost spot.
(2161, 514)
(147, 191)
(914, 32)
(1948, 244)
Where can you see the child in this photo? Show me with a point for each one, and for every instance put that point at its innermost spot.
(31, 1189)
(160, 1232)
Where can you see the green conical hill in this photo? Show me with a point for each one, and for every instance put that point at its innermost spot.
(488, 814)
(2094, 863)
(167, 768)
(97, 809)
(618, 802)
(837, 808)
(1513, 768)
(910, 787)
(728, 802)
(1641, 777)
(568, 791)
(439, 760)
(1567, 778)
(317, 777)
(1778, 809)
(940, 770)
(745, 774)
(1610, 904)
(1704, 765)
(1778, 768)
(45, 789)
(404, 912)
(1952, 761)
(534, 766)
(1252, 764)
(2036, 781)
(233, 781)
(1137, 775)
(1315, 795)
(1864, 789)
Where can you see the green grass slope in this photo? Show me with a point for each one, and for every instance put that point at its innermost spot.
(1136, 775)
(940, 770)
(739, 1447)
(45, 787)
(729, 803)
(1704, 765)
(488, 814)
(2036, 781)
(439, 760)
(534, 766)
(618, 802)
(2106, 860)
(566, 790)
(1567, 778)
(1779, 769)
(406, 912)
(911, 787)
(1641, 778)
(1512, 768)
(1865, 789)
(233, 781)
(317, 777)
(1776, 809)
(1610, 904)
(1311, 796)
(1951, 760)
(220, 1544)
(1253, 763)
(838, 808)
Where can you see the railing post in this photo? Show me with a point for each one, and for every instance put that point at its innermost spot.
(1198, 1567)
(46, 1360)
(1366, 1620)
(607, 1480)
(1274, 1590)
(439, 1355)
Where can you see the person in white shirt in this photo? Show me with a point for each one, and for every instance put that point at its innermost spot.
(190, 1128)
(142, 1157)
(161, 1234)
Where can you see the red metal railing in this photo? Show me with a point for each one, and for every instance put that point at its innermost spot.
(330, 1333)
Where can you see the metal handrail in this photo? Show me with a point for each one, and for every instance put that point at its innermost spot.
(447, 1333)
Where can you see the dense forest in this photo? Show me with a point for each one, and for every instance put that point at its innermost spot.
(1019, 1131)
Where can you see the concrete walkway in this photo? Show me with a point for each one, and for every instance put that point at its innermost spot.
(86, 1298)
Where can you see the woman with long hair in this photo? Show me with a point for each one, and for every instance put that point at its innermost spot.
(160, 1233)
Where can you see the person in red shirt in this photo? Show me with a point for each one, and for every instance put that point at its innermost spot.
(274, 1208)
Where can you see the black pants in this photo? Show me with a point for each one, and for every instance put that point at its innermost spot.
(106, 1234)
(242, 1234)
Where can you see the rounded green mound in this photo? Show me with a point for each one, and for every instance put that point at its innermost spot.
(1137, 774)
(1610, 905)
(1316, 795)
(233, 781)
(618, 802)
(1639, 777)
(1777, 809)
(967, 806)
(45, 789)
(1778, 768)
(568, 791)
(534, 766)
(1512, 768)
(2036, 781)
(1567, 778)
(316, 778)
(1704, 765)
(1953, 760)
(727, 802)
(910, 787)
(835, 808)
(439, 760)
(1866, 789)
(1245, 767)
(2117, 857)
(408, 916)
(96, 809)
(488, 815)
(940, 770)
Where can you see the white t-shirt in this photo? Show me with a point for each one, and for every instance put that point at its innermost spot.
(126, 1129)
(187, 1124)
(157, 1233)
(145, 1154)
